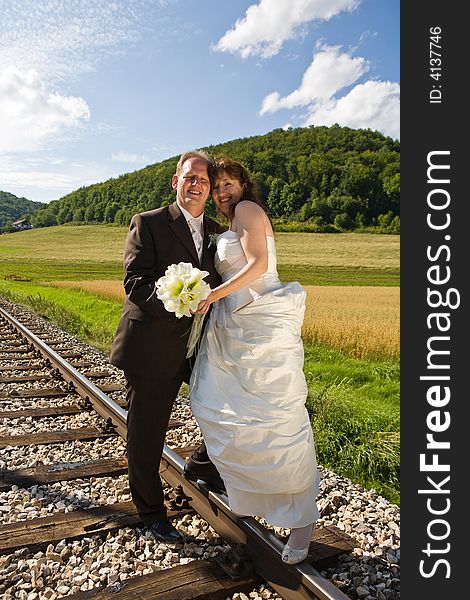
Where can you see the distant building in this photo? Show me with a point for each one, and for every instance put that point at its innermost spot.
(21, 224)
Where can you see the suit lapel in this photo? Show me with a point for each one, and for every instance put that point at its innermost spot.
(208, 248)
(180, 228)
(205, 241)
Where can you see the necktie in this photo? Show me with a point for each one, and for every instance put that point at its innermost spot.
(195, 227)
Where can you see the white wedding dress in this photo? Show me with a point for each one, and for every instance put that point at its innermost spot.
(248, 394)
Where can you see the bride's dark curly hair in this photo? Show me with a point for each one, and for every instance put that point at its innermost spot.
(237, 171)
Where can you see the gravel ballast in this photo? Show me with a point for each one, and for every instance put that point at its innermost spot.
(370, 571)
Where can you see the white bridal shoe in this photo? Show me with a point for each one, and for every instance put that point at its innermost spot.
(292, 556)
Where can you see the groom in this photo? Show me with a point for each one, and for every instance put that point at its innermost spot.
(150, 343)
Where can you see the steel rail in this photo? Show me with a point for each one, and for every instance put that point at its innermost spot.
(293, 582)
(102, 404)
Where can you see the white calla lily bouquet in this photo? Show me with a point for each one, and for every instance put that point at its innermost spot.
(181, 289)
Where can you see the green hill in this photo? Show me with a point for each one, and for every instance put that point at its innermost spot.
(13, 208)
(312, 179)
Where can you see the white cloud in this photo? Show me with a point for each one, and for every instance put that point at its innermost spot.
(373, 104)
(30, 114)
(60, 38)
(267, 25)
(44, 44)
(26, 180)
(49, 177)
(129, 157)
(329, 72)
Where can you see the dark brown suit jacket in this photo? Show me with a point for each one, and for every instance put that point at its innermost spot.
(150, 341)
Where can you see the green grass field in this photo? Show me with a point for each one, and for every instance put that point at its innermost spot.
(354, 402)
(355, 409)
(96, 252)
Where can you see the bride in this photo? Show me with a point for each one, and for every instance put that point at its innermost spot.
(248, 390)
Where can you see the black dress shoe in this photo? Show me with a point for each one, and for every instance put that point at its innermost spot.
(163, 531)
(206, 472)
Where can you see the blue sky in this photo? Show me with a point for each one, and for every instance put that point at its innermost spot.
(91, 89)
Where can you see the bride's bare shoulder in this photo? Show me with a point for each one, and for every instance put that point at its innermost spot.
(249, 213)
(247, 209)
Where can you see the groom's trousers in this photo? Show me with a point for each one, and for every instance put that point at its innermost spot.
(150, 401)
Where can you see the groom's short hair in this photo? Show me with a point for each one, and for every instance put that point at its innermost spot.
(201, 154)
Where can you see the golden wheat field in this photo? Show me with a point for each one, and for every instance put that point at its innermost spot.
(362, 321)
(108, 289)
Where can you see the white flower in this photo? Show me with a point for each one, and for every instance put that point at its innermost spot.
(182, 288)
(212, 239)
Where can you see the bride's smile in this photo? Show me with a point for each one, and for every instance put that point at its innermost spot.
(226, 192)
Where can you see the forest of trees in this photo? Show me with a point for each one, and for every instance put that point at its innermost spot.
(312, 179)
(13, 208)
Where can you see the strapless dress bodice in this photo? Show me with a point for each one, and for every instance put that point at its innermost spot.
(230, 259)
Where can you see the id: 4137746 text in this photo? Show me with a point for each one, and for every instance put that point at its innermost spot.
(435, 64)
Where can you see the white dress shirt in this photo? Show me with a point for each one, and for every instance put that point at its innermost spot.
(195, 225)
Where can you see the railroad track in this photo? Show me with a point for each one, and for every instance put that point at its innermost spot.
(71, 387)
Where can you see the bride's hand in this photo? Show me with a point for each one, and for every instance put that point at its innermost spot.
(204, 305)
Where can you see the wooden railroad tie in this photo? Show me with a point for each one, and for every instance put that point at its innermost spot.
(328, 543)
(23, 378)
(69, 354)
(197, 580)
(58, 437)
(57, 392)
(39, 413)
(22, 368)
(54, 437)
(46, 474)
(37, 533)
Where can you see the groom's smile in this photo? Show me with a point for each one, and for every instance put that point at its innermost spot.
(192, 185)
